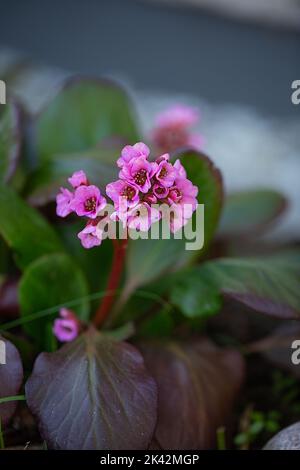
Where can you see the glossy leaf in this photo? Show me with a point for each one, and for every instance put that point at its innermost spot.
(44, 183)
(202, 172)
(197, 385)
(24, 229)
(195, 296)
(90, 261)
(11, 377)
(249, 212)
(51, 281)
(83, 113)
(10, 140)
(93, 393)
(269, 285)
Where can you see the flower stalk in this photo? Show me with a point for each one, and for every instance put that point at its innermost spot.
(113, 282)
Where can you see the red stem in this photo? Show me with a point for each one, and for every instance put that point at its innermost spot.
(112, 283)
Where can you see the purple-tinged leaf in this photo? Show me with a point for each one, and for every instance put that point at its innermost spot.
(269, 285)
(281, 348)
(9, 305)
(93, 393)
(197, 385)
(11, 377)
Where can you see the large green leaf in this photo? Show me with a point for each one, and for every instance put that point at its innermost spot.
(10, 140)
(269, 285)
(148, 259)
(24, 229)
(44, 183)
(248, 212)
(83, 113)
(94, 393)
(51, 282)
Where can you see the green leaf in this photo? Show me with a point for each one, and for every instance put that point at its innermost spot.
(25, 230)
(10, 140)
(83, 113)
(202, 172)
(149, 259)
(95, 263)
(269, 285)
(159, 325)
(93, 393)
(249, 212)
(11, 377)
(195, 296)
(197, 386)
(51, 281)
(44, 183)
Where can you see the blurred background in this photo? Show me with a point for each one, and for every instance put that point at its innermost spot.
(234, 59)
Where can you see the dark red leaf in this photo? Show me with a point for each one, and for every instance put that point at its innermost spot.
(94, 393)
(197, 384)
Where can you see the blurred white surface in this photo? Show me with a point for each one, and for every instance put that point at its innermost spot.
(284, 13)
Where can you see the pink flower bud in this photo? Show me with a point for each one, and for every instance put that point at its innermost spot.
(66, 328)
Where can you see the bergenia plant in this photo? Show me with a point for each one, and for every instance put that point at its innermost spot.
(143, 187)
(128, 338)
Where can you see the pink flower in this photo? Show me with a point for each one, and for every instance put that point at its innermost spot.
(78, 178)
(63, 202)
(178, 115)
(165, 173)
(87, 201)
(182, 198)
(67, 327)
(141, 217)
(172, 129)
(183, 193)
(183, 202)
(123, 194)
(179, 216)
(161, 192)
(91, 235)
(139, 172)
(150, 198)
(133, 151)
(181, 173)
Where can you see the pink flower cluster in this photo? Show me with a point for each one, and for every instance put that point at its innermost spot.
(86, 200)
(172, 129)
(144, 183)
(67, 327)
(142, 188)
